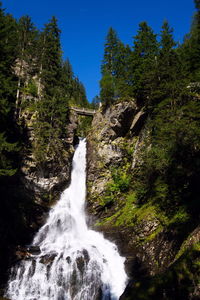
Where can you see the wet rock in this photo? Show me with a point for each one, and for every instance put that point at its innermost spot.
(26, 252)
(32, 269)
(86, 256)
(80, 263)
(22, 253)
(68, 259)
(73, 284)
(48, 258)
(99, 294)
(35, 250)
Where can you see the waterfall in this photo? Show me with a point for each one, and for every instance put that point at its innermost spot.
(74, 262)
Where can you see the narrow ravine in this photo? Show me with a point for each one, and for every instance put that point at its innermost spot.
(73, 262)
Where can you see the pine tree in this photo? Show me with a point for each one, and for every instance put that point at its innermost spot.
(83, 97)
(111, 49)
(110, 67)
(107, 91)
(53, 104)
(190, 50)
(26, 66)
(8, 132)
(144, 62)
(67, 78)
(51, 56)
(169, 66)
(123, 75)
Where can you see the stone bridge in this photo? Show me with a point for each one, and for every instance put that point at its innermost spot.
(83, 111)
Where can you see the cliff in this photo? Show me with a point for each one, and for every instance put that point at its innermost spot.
(158, 235)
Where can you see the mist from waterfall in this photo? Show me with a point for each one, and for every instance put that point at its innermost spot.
(74, 262)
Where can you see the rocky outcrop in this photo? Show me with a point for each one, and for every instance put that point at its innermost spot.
(47, 179)
(114, 145)
(109, 142)
(105, 146)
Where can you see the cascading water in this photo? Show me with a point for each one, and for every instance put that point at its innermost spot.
(74, 262)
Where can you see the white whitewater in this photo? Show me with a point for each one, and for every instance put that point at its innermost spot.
(74, 263)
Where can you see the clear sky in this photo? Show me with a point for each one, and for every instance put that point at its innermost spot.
(84, 25)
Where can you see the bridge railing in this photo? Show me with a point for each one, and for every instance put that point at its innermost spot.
(83, 110)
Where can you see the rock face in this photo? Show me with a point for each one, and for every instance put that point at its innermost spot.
(46, 180)
(116, 142)
(106, 146)
(109, 142)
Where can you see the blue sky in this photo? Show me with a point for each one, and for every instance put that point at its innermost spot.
(84, 25)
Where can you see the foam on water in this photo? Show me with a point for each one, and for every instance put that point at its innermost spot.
(75, 262)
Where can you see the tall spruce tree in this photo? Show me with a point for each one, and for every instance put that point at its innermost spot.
(195, 40)
(122, 77)
(67, 78)
(8, 133)
(169, 66)
(144, 60)
(53, 105)
(190, 50)
(109, 68)
(26, 66)
(111, 49)
(51, 56)
(107, 89)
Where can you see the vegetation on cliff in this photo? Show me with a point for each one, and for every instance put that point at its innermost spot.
(163, 79)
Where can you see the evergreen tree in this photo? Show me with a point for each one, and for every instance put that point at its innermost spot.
(8, 133)
(122, 82)
(26, 66)
(190, 50)
(52, 107)
(169, 66)
(110, 67)
(195, 39)
(96, 102)
(115, 82)
(144, 62)
(51, 56)
(83, 97)
(68, 78)
(107, 87)
(111, 49)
